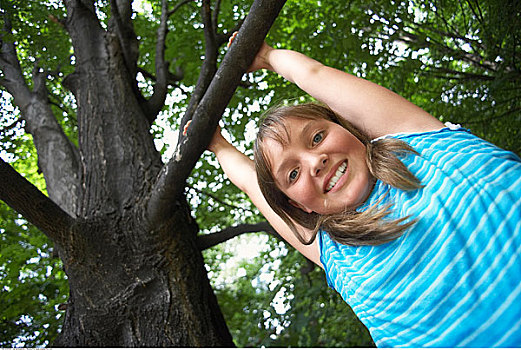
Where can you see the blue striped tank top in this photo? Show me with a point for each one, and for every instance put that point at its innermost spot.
(454, 278)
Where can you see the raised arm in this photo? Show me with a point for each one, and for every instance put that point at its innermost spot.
(366, 105)
(241, 172)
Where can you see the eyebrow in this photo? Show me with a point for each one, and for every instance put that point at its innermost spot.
(303, 132)
(306, 129)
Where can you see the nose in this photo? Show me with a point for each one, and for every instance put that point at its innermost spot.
(317, 163)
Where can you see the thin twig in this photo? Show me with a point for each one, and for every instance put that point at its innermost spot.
(219, 200)
(11, 126)
(496, 117)
(212, 239)
(178, 6)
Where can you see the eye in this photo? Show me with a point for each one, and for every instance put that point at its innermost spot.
(293, 175)
(318, 137)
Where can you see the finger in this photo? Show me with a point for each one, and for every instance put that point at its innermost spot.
(231, 39)
(185, 129)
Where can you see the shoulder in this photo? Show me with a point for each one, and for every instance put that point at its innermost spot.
(452, 139)
(440, 131)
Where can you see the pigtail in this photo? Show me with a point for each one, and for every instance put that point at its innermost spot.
(368, 227)
(384, 164)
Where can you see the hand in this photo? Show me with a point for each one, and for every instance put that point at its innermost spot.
(261, 60)
(217, 140)
(185, 129)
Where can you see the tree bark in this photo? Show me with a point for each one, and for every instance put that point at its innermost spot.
(130, 287)
(58, 158)
(212, 239)
(206, 116)
(129, 244)
(25, 198)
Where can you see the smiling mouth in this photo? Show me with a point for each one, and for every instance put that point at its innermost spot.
(338, 174)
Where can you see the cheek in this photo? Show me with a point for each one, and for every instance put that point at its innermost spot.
(356, 146)
(302, 194)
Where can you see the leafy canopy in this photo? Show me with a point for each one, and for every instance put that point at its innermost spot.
(459, 60)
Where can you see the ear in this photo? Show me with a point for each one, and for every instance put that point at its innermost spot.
(300, 206)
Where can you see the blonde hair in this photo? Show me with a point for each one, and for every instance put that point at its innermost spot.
(349, 227)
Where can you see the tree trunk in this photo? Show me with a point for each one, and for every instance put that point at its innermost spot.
(130, 287)
(119, 221)
(131, 283)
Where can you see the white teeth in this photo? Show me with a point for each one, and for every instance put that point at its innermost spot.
(339, 172)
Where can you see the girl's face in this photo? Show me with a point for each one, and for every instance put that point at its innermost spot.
(321, 166)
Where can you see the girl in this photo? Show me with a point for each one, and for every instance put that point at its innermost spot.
(416, 225)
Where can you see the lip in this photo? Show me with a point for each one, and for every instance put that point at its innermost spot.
(332, 173)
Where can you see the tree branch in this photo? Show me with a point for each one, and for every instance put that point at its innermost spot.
(209, 30)
(310, 266)
(474, 59)
(82, 14)
(157, 100)
(39, 79)
(163, 77)
(433, 28)
(212, 239)
(38, 209)
(52, 145)
(171, 181)
(122, 17)
(218, 200)
(221, 38)
(478, 15)
(10, 126)
(178, 6)
(495, 117)
(444, 73)
(439, 13)
(215, 15)
(208, 68)
(212, 43)
(13, 79)
(55, 100)
(172, 79)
